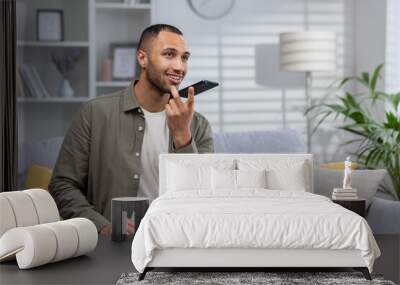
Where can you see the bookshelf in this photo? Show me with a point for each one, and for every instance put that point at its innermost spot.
(89, 29)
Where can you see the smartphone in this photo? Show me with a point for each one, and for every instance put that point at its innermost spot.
(199, 87)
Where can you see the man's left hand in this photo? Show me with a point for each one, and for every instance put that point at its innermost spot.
(179, 117)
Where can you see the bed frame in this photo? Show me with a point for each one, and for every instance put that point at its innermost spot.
(248, 259)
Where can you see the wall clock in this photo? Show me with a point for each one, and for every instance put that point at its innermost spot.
(211, 9)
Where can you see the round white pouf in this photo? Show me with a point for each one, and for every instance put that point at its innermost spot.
(67, 240)
(40, 244)
(6, 216)
(45, 205)
(87, 235)
(33, 246)
(23, 208)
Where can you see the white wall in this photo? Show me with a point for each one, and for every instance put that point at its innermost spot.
(392, 66)
(370, 35)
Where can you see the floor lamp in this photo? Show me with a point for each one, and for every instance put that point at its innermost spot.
(308, 52)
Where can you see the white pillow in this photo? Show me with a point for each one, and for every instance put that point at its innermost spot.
(183, 177)
(251, 178)
(283, 173)
(223, 179)
(227, 179)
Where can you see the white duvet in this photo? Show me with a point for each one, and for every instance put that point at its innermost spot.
(252, 218)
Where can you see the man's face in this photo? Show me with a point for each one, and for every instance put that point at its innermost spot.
(167, 61)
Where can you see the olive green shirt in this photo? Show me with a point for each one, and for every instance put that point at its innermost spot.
(100, 156)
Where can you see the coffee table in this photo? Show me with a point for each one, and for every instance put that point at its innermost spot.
(104, 265)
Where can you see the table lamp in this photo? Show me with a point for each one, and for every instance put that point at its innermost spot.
(308, 52)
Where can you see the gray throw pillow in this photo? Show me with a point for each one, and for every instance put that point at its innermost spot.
(365, 181)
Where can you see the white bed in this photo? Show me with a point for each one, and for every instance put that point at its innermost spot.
(203, 220)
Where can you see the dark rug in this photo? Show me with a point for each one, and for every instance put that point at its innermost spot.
(228, 278)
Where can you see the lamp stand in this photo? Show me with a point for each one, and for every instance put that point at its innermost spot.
(308, 105)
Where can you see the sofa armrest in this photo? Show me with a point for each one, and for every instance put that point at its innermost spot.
(384, 216)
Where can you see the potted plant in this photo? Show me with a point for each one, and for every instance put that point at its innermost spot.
(378, 139)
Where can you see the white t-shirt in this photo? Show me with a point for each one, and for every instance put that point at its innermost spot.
(155, 141)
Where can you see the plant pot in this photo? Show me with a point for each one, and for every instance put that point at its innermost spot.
(66, 90)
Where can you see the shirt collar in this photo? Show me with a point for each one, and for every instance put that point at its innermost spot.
(130, 102)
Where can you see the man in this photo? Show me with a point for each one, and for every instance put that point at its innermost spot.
(112, 147)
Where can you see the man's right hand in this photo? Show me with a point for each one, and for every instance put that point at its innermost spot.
(107, 229)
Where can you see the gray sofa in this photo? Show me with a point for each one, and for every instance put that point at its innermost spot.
(383, 213)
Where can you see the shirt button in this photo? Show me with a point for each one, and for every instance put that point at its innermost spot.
(140, 128)
(137, 154)
(136, 176)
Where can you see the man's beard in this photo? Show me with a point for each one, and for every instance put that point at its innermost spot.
(156, 82)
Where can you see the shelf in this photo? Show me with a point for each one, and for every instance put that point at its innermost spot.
(113, 83)
(52, 44)
(115, 6)
(53, 100)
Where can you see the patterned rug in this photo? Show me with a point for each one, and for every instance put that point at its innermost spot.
(230, 278)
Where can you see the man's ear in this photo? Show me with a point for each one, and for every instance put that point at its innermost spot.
(141, 57)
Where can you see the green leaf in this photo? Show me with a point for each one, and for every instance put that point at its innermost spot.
(365, 77)
(357, 116)
(395, 100)
(350, 100)
(321, 121)
(375, 76)
(353, 131)
(392, 121)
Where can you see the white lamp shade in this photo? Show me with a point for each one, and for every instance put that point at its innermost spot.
(308, 51)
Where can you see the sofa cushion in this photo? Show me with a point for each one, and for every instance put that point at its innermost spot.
(38, 177)
(274, 141)
(383, 216)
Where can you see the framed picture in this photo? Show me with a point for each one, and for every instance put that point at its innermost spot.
(50, 24)
(123, 61)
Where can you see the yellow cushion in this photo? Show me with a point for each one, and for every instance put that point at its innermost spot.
(38, 177)
(338, 165)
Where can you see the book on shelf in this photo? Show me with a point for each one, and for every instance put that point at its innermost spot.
(28, 87)
(34, 86)
(42, 88)
(19, 85)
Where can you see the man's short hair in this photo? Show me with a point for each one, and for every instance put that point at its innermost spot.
(153, 31)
